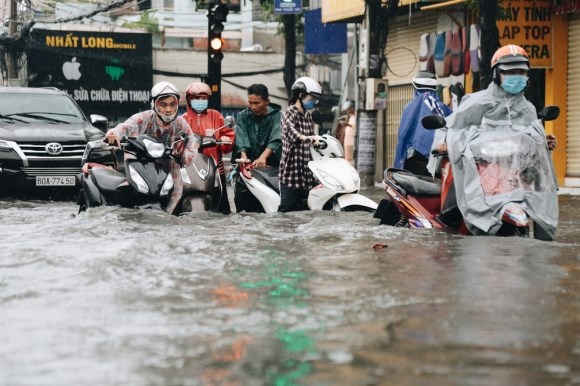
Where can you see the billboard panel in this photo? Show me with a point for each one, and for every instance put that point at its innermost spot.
(322, 38)
(106, 73)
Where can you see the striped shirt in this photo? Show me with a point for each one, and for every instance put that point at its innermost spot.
(294, 171)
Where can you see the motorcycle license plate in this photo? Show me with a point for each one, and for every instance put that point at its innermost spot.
(55, 181)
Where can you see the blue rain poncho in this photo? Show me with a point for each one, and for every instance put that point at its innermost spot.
(412, 134)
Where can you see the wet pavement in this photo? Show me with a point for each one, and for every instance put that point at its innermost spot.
(123, 297)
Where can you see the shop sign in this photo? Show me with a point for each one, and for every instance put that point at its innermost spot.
(106, 73)
(529, 25)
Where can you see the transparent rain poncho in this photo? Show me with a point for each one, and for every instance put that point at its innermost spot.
(499, 154)
(495, 165)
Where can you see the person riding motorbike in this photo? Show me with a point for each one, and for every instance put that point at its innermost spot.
(414, 141)
(257, 134)
(297, 134)
(202, 121)
(502, 106)
(162, 123)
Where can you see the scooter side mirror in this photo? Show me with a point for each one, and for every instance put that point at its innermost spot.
(229, 121)
(549, 113)
(433, 122)
(317, 117)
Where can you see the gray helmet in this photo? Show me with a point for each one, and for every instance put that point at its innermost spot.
(425, 80)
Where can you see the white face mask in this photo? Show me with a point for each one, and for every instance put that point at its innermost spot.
(164, 118)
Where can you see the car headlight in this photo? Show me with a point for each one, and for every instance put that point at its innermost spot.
(167, 186)
(138, 180)
(7, 144)
(330, 180)
(155, 149)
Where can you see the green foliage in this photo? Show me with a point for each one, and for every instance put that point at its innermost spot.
(146, 22)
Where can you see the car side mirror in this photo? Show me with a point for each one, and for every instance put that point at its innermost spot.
(100, 122)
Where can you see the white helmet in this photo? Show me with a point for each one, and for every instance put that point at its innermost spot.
(425, 80)
(307, 85)
(161, 90)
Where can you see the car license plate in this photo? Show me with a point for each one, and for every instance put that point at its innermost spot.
(55, 181)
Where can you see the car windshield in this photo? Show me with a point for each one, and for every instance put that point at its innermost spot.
(48, 108)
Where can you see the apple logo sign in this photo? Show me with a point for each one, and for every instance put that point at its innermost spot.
(70, 70)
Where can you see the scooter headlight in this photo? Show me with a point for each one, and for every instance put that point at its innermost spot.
(155, 149)
(355, 176)
(184, 176)
(167, 185)
(91, 145)
(138, 180)
(330, 180)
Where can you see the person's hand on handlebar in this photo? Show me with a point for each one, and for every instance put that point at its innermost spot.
(442, 147)
(260, 162)
(552, 141)
(111, 138)
(313, 139)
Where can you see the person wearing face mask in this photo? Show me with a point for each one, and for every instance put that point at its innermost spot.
(502, 101)
(501, 106)
(203, 121)
(162, 123)
(295, 177)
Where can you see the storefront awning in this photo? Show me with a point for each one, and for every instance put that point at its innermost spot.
(431, 4)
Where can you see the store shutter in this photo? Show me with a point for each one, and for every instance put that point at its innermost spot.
(403, 59)
(573, 122)
(399, 96)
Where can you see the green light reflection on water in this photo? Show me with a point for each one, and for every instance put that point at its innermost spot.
(283, 278)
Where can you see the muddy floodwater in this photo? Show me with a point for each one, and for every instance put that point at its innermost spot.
(123, 297)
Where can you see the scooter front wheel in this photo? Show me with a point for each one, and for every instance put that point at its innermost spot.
(510, 230)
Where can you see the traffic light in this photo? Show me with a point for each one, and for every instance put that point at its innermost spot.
(217, 16)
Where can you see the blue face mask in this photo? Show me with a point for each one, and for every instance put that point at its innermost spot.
(199, 105)
(514, 84)
(309, 104)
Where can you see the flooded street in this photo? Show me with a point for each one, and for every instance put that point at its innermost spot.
(124, 297)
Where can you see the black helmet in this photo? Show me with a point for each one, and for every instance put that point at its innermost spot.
(425, 80)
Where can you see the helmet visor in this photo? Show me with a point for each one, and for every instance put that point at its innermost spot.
(513, 66)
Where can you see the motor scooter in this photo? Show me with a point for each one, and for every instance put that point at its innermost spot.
(337, 191)
(143, 180)
(512, 179)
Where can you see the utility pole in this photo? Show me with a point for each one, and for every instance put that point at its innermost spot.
(11, 66)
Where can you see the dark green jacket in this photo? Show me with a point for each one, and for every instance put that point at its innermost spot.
(255, 134)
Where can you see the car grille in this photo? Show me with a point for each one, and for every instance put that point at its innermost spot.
(37, 150)
(33, 172)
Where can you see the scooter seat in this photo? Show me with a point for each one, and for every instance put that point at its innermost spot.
(268, 176)
(107, 179)
(418, 185)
